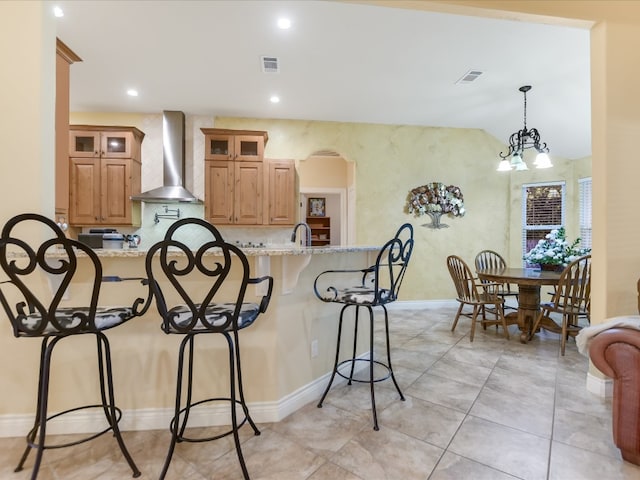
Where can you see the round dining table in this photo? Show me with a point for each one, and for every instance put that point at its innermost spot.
(529, 281)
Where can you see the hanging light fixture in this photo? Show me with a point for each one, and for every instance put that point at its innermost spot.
(522, 140)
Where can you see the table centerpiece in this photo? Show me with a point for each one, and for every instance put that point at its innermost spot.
(554, 252)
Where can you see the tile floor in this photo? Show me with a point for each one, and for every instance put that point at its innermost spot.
(492, 409)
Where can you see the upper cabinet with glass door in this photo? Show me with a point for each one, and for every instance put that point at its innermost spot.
(93, 141)
(234, 145)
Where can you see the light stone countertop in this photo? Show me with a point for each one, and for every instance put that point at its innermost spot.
(284, 250)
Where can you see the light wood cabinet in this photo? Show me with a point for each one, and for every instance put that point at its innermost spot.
(241, 188)
(105, 171)
(64, 58)
(320, 230)
(234, 192)
(281, 190)
(234, 145)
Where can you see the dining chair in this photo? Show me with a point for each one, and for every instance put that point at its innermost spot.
(35, 252)
(472, 292)
(198, 292)
(571, 300)
(377, 286)
(491, 260)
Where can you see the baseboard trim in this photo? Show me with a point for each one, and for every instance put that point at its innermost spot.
(602, 387)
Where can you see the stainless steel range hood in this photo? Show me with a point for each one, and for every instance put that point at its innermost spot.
(172, 189)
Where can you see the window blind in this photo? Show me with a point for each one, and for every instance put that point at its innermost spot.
(543, 209)
(584, 193)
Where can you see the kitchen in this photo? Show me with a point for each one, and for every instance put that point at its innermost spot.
(467, 146)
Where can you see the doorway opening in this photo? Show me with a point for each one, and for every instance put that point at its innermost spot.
(328, 177)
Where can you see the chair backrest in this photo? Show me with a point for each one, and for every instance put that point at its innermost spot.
(490, 260)
(463, 279)
(180, 278)
(391, 265)
(573, 293)
(24, 261)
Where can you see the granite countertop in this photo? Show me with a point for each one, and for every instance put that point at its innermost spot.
(270, 251)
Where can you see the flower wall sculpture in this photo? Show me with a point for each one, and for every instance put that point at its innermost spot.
(554, 249)
(435, 199)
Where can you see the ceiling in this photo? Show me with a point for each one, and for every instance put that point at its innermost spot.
(338, 62)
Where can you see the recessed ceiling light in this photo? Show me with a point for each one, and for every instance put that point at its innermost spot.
(132, 92)
(57, 12)
(275, 99)
(284, 23)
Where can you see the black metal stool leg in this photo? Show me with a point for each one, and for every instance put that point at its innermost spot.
(386, 329)
(245, 409)
(234, 419)
(371, 364)
(40, 424)
(335, 363)
(355, 345)
(104, 365)
(187, 340)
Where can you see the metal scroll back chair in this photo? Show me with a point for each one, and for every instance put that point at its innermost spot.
(203, 292)
(490, 260)
(379, 286)
(35, 312)
(470, 291)
(572, 299)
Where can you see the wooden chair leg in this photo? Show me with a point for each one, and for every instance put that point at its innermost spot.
(504, 322)
(476, 309)
(455, 321)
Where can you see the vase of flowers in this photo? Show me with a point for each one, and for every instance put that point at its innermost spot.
(436, 199)
(554, 252)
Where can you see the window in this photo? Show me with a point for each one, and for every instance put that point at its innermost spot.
(543, 206)
(584, 193)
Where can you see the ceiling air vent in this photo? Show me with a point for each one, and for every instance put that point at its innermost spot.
(270, 64)
(470, 76)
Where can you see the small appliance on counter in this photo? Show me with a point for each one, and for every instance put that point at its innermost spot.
(107, 238)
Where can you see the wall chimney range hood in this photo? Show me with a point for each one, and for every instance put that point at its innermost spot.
(173, 160)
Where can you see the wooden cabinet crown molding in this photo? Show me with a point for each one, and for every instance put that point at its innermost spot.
(227, 131)
(66, 53)
(108, 128)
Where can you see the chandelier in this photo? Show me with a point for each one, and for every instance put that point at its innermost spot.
(520, 141)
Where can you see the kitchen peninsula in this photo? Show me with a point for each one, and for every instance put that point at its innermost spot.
(279, 371)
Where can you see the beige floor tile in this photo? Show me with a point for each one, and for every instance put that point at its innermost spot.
(574, 463)
(444, 391)
(388, 455)
(423, 420)
(517, 453)
(455, 467)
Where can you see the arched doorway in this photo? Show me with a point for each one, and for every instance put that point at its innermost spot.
(328, 175)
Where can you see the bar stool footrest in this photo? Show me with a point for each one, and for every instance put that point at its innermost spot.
(368, 380)
(34, 431)
(182, 438)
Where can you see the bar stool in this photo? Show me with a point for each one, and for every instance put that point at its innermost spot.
(34, 316)
(378, 286)
(202, 292)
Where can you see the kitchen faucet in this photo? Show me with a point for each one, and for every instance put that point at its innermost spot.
(307, 233)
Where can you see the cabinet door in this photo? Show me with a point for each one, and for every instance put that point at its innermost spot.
(84, 191)
(218, 147)
(219, 176)
(84, 144)
(116, 144)
(282, 198)
(249, 148)
(248, 200)
(115, 190)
